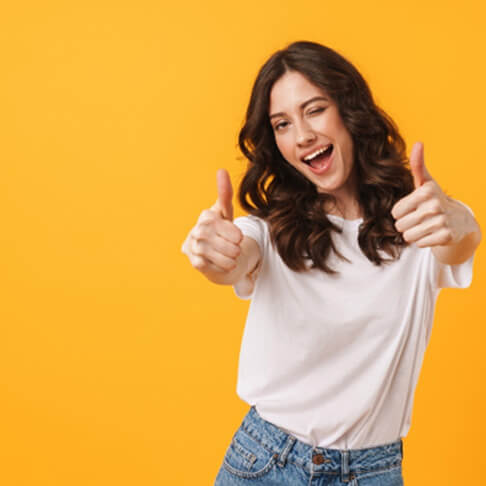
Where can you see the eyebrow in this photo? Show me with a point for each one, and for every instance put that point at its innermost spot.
(302, 106)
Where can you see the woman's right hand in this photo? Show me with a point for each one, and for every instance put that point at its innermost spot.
(214, 244)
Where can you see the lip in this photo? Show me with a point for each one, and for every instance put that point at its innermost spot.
(325, 167)
(313, 150)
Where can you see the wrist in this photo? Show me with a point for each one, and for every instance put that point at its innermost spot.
(463, 223)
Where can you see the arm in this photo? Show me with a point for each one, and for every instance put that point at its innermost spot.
(468, 239)
(247, 264)
(428, 217)
(217, 247)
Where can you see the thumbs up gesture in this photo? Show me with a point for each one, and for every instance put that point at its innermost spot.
(427, 216)
(213, 245)
(224, 205)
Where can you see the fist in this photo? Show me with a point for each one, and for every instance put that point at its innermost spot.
(427, 216)
(213, 245)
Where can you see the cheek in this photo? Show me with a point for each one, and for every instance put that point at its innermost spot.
(348, 141)
(343, 136)
(323, 124)
(285, 147)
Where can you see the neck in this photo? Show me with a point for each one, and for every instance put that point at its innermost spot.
(346, 197)
(346, 210)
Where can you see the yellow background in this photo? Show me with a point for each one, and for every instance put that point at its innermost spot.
(118, 360)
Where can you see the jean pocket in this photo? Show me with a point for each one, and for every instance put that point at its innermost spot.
(247, 458)
(391, 477)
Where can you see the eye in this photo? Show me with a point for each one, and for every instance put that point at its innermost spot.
(280, 125)
(316, 110)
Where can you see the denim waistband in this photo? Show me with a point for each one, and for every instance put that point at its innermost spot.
(320, 459)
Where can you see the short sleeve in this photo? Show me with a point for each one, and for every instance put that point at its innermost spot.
(255, 228)
(452, 276)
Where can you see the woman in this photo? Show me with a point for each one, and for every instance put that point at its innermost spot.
(343, 254)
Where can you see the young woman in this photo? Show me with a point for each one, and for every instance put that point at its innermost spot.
(344, 251)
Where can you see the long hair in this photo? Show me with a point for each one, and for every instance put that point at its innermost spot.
(275, 191)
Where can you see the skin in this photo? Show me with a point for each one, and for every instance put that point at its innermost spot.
(301, 126)
(427, 216)
(217, 247)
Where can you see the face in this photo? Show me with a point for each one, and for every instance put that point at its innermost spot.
(311, 136)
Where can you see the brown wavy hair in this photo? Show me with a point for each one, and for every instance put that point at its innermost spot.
(275, 191)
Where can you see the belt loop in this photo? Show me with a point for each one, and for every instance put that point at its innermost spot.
(345, 466)
(401, 447)
(288, 446)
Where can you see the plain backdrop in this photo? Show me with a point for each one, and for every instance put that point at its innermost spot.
(118, 360)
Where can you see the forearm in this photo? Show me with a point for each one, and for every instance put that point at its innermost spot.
(461, 250)
(246, 264)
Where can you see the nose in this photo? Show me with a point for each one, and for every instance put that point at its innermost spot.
(305, 134)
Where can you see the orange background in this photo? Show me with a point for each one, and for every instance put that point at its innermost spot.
(118, 360)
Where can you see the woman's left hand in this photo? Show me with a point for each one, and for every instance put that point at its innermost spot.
(427, 216)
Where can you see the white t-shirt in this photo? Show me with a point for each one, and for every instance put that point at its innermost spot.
(334, 359)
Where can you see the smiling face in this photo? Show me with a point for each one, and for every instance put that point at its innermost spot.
(311, 137)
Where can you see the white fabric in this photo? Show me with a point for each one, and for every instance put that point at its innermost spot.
(334, 360)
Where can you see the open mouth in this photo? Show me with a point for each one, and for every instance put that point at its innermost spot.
(320, 158)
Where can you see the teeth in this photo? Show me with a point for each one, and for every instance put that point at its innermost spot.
(316, 153)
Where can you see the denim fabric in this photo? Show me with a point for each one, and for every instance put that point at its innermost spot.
(262, 454)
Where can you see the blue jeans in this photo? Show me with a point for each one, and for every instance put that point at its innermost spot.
(261, 453)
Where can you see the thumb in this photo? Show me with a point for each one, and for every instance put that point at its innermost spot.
(225, 194)
(417, 165)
